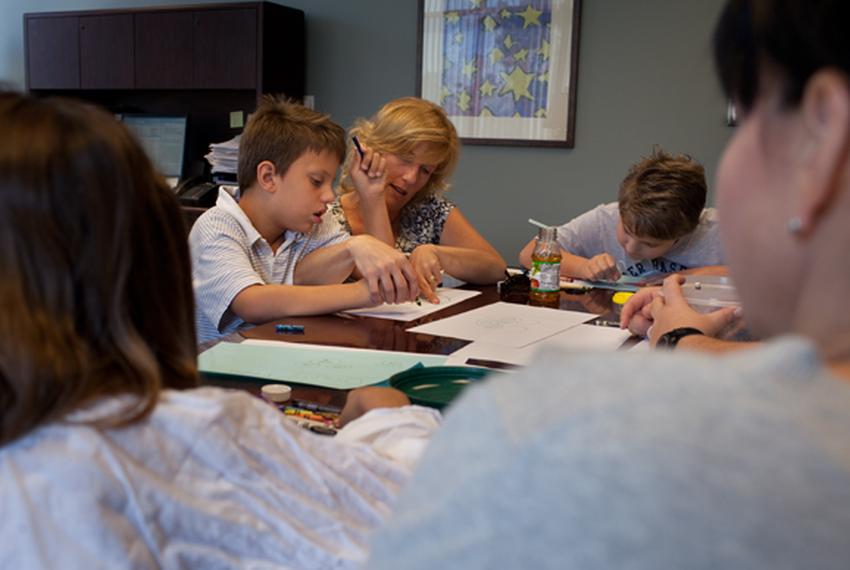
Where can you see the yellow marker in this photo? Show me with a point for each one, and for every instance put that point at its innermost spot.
(621, 297)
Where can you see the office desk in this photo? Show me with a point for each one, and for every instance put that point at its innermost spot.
(383, 334)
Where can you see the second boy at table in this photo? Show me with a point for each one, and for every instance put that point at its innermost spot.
(659, 225)
(272, 253)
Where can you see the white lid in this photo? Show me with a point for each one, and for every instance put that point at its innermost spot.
(276, 392)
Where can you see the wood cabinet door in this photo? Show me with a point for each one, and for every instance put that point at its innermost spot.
(106, 52)
(52, 52)
(164, 50)
(225, 48)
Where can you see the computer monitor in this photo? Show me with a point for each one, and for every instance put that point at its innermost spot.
(164, 139)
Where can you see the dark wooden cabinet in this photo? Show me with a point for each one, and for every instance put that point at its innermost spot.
(106, 52)
(163, 50)
(223, 59)
(203, 61)
(52, 45)
(256, 46)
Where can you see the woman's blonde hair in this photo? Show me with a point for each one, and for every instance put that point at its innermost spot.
(96, 294)
(398, 127)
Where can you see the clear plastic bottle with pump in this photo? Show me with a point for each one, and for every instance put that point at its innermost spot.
(545, 274)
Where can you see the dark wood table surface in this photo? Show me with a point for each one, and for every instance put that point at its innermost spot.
(357, 331)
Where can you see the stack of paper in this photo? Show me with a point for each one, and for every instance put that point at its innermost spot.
(224, 157)
(506, 324)
(512, 334)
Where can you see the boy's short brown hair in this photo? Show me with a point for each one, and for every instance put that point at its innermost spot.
(280, 131)
(662, 196)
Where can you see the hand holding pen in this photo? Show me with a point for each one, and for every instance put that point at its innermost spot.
(368, 171)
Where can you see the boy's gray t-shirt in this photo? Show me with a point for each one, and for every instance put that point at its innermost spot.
(636, 460)
(595, 232)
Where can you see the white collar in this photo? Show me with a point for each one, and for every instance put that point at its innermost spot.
(228, 204)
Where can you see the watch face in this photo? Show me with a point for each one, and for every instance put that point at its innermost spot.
(666, 340)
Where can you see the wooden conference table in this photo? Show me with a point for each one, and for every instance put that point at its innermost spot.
(384, 334)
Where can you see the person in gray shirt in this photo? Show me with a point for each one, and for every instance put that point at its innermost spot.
(658, 225)
(680, 460)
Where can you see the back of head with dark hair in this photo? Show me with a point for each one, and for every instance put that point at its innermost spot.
(280, 132)
(796, 37)
(96, 291)
(662, 196)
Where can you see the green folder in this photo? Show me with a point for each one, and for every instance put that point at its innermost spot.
(339, 368)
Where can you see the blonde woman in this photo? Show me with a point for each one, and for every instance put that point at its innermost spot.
(392, 188)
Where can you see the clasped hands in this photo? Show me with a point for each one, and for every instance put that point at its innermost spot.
(653, 311)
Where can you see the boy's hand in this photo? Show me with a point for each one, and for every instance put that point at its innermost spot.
(388, 273)
(601, 267)
(426, 262)
(636, 314)
(362, 400)
(670, 310)
(369, 175)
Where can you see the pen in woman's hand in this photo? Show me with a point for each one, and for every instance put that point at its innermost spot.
(358, 147)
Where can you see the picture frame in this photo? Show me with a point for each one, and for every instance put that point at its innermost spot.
(505, 71)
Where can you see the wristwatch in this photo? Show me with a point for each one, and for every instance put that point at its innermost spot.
(671, 338)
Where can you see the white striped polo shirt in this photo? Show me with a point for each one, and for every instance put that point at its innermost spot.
(229, 254)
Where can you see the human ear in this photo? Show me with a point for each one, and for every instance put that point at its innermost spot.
(266, 172)
(825, 112)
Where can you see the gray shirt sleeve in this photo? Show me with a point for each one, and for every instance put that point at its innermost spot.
(590, 233)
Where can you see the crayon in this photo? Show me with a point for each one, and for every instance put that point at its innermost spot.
(316, 407)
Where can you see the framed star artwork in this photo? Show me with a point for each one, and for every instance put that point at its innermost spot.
(504, 70)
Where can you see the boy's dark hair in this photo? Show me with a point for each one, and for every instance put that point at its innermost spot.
(96, 296)
(662, 196)
(280, 131)
(796, 36)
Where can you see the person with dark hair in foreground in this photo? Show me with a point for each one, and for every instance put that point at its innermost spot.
(672, 460)
(111, 456)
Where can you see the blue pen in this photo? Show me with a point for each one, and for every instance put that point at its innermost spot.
(357, 145)
(289, 329)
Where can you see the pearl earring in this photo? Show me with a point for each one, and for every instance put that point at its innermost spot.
(794, 225)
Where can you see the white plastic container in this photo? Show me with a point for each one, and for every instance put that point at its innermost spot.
(709, 293)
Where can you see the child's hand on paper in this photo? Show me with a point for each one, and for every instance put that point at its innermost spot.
(387, 271)
(361, 400)
(602, 267)
(426, 262)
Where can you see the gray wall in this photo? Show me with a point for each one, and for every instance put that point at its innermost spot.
(645, 78)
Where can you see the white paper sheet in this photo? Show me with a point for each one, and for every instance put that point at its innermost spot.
(411, 311)
(578, 338)
(505, 324)
(488, 351)
(588, 338)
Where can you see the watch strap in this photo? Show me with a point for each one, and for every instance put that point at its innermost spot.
(671, 338)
